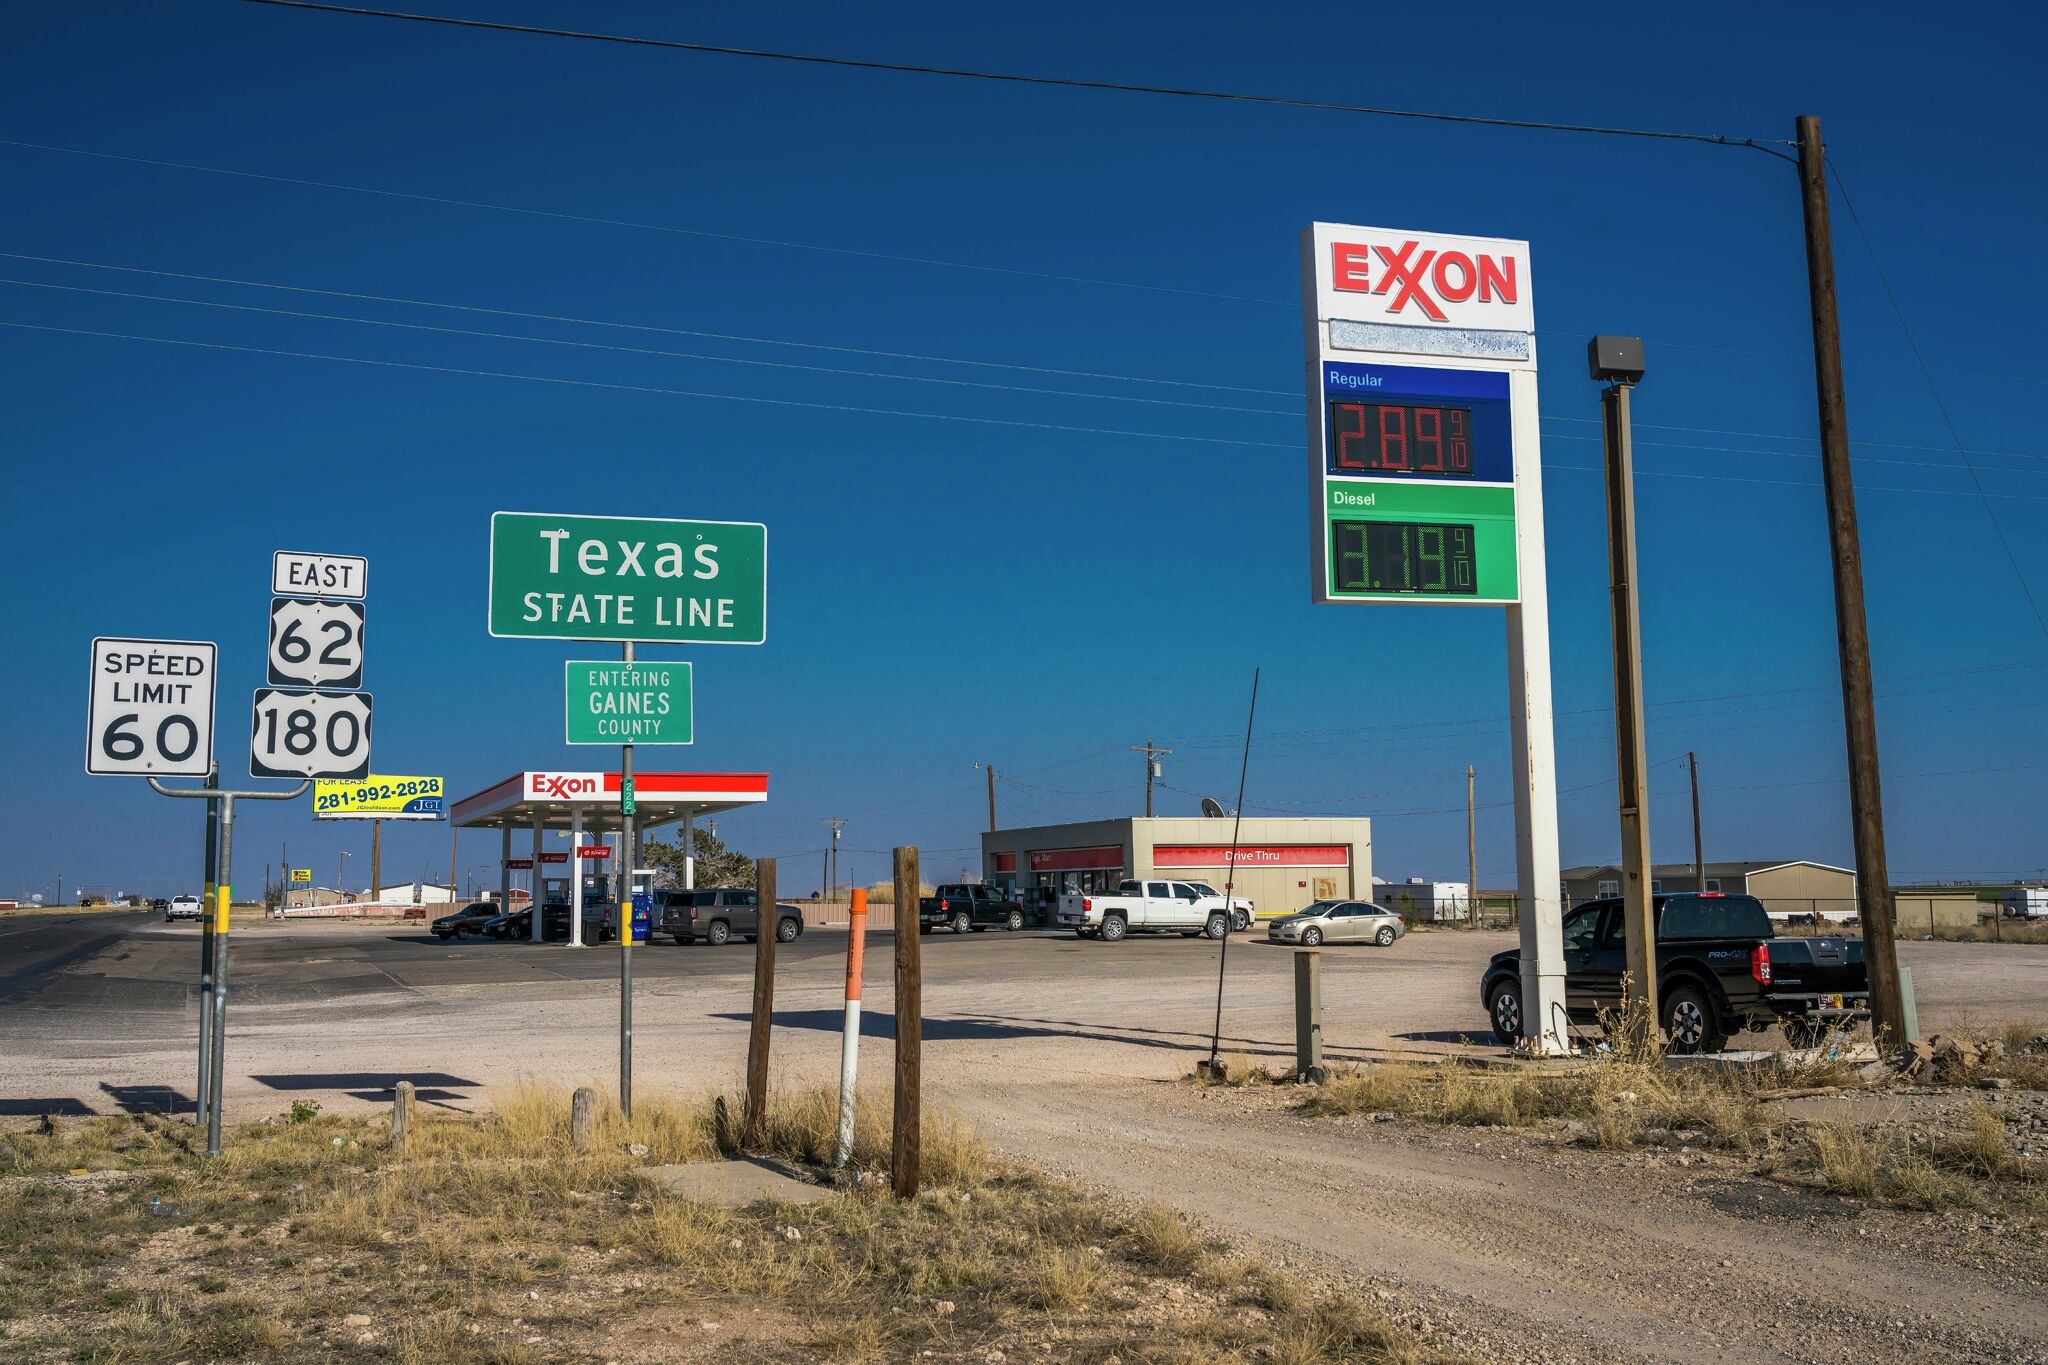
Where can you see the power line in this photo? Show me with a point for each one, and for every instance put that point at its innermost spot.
(641, 327)
(641, 350)
(1940, 404)
(1064, 82)
(639, 388)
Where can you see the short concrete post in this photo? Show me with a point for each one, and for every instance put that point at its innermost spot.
(401, 1115)
(582, 1107)
(1308, 1015)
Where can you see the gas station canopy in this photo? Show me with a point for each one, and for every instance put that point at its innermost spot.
(553, 800)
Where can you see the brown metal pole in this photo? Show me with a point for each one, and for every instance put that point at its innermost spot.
(765, 923)
(992, 798)
(1852, 634)
(376, 859)
(1148, 779)
(1472, 846)
(1699, 865)
(1633, 764)
(906, 1151)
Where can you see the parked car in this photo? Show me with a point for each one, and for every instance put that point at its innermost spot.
(1338, 922)
(1152, 907)
(470, 919)
(717, 915)
(1720, 970)
(182, 907)
(961, 906)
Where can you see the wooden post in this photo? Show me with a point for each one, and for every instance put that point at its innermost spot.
(1308, 1015)
(582, 1105)
(754, 1122)
(905, 1152)
(401, 1116)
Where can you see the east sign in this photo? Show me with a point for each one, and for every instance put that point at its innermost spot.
(628, 578)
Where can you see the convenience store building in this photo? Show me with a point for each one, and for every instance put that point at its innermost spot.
(1282, 863)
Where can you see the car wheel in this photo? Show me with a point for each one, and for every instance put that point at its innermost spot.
(1216, 927)
(786, 931)
(1689, 1021)
(1311, 936)
(1113, 928)
(961, 923)
(923, 928)
(718, 933)
(1385, 937)
(1015, 921)
(1240, 921)
(1504, 1007)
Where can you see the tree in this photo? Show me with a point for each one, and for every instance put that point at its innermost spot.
(717, 865)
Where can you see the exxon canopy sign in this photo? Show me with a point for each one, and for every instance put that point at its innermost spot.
(564, 786)
(1414, 279)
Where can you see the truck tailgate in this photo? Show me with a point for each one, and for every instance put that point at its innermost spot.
(1805, 966)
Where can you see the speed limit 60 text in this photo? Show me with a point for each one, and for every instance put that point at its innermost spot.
(151, 709)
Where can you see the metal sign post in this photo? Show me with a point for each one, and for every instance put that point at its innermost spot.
(214, 1002)
(628, 860)
(1423, 461)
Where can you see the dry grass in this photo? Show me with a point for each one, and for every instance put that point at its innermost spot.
(492, 1242)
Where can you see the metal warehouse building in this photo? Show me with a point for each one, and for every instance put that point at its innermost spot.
(1282, 864)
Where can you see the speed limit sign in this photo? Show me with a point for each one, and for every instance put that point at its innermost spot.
(315, 644)
(297, 733)
(151, 712)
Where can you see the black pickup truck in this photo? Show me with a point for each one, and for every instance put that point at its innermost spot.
(1720, 970)
(963, 906)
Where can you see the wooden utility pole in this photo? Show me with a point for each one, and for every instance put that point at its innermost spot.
(1638, 908)
(765, 923)
(454, 837)
(376, 859)
(1152, 757)
(990, 769)
(1852, 634)
(1699, 864)
(1472, 845)
(906, 1149)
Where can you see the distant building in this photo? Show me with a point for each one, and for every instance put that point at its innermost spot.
(1798, 887)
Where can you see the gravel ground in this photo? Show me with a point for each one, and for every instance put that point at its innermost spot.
(1508, 1246)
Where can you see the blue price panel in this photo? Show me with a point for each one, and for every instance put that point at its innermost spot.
(643, 912)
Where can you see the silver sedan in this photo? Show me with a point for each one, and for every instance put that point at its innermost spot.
(1338, 922)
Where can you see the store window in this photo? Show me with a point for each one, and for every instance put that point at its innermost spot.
(1609, 889)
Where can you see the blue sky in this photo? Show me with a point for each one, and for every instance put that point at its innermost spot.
(1045, 555)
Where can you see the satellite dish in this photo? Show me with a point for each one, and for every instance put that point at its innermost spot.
(1211, 809)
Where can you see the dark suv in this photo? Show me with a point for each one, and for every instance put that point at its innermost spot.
(717, 914)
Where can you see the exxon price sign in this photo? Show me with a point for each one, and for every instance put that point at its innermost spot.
(628, 578)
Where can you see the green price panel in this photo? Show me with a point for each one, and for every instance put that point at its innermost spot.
(1420, 542)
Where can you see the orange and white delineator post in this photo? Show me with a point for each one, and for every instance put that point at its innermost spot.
(849, 1046)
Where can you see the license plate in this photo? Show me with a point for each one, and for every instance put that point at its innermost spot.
(1831, 1002)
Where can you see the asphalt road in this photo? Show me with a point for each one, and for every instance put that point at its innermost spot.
(98, 1011)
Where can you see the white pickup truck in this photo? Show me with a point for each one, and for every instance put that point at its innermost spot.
(1159, 907)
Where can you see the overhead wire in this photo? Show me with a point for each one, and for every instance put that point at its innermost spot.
(1941, 404)
(1014, 78)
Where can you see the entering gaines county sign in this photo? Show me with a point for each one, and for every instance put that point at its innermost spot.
(628, 578)
(608, 702)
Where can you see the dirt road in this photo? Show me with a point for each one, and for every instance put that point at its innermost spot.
(1514, 1248)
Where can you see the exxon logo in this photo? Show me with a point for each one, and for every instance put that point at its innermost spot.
(562, 786)
(1409, 273)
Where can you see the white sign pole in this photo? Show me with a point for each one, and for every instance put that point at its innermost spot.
(576, 885)
(1540, 906)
